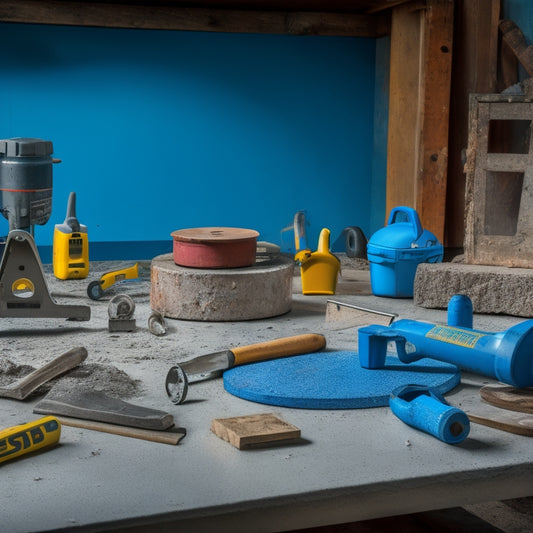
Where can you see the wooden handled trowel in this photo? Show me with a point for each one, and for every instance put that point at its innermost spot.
(213, 365)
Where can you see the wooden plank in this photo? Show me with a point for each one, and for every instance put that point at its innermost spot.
(176, 17)
(515, 39)
(169, 436)
(475, 58)
(384, 5)
(517, 423)
(354, 6)
(434, 123)
(404, 90)
(421, 59)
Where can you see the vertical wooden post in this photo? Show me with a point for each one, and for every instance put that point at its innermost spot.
(475, 56)
(421, 61)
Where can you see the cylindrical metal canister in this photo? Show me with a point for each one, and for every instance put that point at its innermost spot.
(26, 181)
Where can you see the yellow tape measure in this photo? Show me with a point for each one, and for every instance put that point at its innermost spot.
(26, 438)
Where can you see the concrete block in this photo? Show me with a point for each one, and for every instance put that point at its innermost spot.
(260, 291)
(492, 289)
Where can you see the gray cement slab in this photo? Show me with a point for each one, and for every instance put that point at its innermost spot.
(350, 465)
(492, 289)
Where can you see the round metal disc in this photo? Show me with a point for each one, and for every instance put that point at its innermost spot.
(121, 306)
(177, 384)
(214, 235)
(94, 290)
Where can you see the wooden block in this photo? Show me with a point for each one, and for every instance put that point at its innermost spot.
(254, 430)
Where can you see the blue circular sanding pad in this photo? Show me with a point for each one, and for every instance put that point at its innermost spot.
(333, 380)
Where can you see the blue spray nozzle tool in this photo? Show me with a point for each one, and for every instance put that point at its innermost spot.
(505, 356)
(425, 409)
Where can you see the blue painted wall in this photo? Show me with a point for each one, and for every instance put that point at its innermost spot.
(159, 131)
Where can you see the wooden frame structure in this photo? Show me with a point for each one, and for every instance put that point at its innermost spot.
(499, 182)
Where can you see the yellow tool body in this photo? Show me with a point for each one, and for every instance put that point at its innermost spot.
(110, 278)
(71, 246)
(26, 438)
(139, 270)
(71, 255)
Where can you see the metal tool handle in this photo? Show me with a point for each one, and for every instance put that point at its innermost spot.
(286, 346)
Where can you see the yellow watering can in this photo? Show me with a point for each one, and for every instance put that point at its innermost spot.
(320, 269)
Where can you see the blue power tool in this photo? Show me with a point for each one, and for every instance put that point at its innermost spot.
(506, 356)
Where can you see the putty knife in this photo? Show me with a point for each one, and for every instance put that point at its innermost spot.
(99, 407)
(341, 315)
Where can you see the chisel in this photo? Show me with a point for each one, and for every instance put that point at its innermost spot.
(212, 365)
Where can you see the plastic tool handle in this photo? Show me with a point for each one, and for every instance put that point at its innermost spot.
(425, 409)
(71, 219)
(412, 218)
(323, 241)
(19, 440)
(286, 346)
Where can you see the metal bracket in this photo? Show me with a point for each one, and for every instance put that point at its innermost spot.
(23, 289)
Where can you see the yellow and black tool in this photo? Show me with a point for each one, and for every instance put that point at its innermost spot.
(71, 246)
(140, 270)
(27, 438)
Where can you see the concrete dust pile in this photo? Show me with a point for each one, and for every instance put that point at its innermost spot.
(92, 376)
(10, 371)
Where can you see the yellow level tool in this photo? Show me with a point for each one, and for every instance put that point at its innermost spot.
(26, 438)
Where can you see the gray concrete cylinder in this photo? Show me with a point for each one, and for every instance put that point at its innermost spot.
(259, 291)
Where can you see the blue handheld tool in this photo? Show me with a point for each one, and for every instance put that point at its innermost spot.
(424, 408)
(506, 356)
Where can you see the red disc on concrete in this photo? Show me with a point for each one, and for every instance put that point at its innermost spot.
(214, 247)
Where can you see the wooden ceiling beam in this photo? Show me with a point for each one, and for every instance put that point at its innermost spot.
(176, 17)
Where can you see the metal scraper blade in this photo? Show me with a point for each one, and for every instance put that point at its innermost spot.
(340, 315)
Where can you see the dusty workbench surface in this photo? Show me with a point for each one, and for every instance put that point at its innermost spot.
(351, 464)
